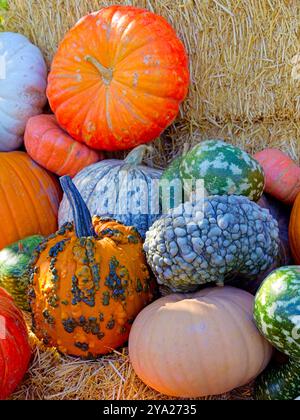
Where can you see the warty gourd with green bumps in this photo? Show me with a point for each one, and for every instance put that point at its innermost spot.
(14, 269)
(224, 168)
(212, 240)
(89, 281)
(277, 316)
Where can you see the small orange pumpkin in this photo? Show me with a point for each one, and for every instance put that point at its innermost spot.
(118, 78)
(50, 146)
(294, 230)
(89, 282)
(282, 174)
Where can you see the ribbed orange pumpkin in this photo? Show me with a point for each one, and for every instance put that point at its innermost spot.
(51, 147)
(198, 344)
(282, 174)
(29, 198)
(294, 230)
(118, 78)
(89, 283)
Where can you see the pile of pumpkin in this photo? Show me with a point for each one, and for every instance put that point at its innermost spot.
(88, 266)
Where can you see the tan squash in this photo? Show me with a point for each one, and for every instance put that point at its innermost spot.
(198, 344)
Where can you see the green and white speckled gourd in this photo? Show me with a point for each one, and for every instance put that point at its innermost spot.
(14, 268)
(277, 316)
(213, 240)
(118, 189)
(225, 169)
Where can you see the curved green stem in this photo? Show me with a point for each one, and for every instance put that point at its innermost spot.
(279, 382)
(81, 215)
(106, 73)
(136, 156)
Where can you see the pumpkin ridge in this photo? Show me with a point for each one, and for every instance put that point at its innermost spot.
(11, 210)
(68, 156)
(244, 337)
(143, 90)
(73, 98)
(163, 23)
(132, 109)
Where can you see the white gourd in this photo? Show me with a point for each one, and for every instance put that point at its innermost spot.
(23, 80)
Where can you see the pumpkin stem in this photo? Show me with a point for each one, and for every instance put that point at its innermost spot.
(106, 73)
(81, 215)
(136, 156)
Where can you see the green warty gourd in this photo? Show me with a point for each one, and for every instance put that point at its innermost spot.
(211, 241)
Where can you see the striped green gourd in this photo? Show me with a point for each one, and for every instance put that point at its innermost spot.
(225, 169)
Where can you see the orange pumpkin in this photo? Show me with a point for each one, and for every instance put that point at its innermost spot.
(282, 174)
(118, 78)
(29, 198)
(51, 147)
(294, 230)
(89, 282)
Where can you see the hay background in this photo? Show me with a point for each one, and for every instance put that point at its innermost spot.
(241, 60)
(53, 377)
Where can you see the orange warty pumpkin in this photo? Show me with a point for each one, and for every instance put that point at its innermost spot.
(294, 230)
(118, 78)
(89, 282)
(282, 174)
(29, 198)
(51, 147)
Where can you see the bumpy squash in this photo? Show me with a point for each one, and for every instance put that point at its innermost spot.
(118, 78)
(54, 149)
(276, 313)
(29, 199)
(15, 351)
(294, 230)
(14, 270)
(282, 174)
(22, 87)
(225, 169)
(123, 190)
(215, 239)
(89, 282)
(176, 345)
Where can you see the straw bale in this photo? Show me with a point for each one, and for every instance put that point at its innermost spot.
(55, 377)
(240, 51)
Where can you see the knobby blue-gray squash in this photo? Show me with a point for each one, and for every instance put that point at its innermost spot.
(121, 189)
(213, 240)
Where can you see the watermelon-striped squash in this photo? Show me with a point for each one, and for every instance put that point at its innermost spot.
(124, 190)
(277, 316)
(14, 268)
(225, 169)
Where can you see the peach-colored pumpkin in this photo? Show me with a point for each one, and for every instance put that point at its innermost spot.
(282, 174)
(198, 344)
(51, 147)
